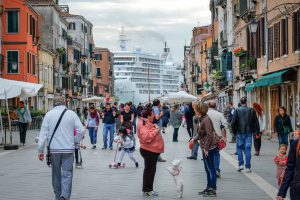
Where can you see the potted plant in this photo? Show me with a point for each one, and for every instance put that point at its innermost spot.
(239, 51)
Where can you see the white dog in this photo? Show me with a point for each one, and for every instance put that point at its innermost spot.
(175, 170)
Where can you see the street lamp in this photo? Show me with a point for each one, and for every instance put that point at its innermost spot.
(252, 25)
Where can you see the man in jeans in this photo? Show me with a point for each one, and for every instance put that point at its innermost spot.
(244, 125)
(220, 124)
(62, 146)
(109, 115)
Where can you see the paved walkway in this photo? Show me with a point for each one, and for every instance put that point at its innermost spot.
(24, 177)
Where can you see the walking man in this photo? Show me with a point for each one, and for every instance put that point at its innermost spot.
(220, 125)
(24, 119)
(229, 114)
(244, 125)
(62, 145)
(109, 115)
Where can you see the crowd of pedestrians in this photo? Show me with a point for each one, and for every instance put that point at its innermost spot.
(205, 126)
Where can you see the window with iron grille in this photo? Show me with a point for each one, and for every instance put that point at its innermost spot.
(296, 31)
(262, 41)
(284, 36)
(270, 39)
(13, 21)
(277, 40)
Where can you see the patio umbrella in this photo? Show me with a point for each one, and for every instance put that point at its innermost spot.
(179, 97)
(93, 99)
(11, 89)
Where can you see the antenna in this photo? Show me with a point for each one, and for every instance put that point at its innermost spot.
(123, 39)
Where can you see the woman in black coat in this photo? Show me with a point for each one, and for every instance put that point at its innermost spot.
(291, 177)
(283, 126)
(189, 114)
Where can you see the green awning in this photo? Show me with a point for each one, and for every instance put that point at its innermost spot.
(250, 87)
(270, 79)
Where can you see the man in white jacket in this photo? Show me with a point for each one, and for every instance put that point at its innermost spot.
(62, 146)
(220, 124)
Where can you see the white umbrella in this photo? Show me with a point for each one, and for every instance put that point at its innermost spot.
(11, 89)
(93, 99)
(179, 97)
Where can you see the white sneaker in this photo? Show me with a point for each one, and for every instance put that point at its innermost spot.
(150, 194)
(240, 168)
(248, 170)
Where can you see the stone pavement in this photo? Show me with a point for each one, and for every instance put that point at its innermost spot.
(23, 177)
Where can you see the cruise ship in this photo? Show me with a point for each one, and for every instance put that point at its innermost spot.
(141, 76)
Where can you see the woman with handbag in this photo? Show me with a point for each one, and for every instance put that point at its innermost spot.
(262, 125)
(283, 126)
(209, 145)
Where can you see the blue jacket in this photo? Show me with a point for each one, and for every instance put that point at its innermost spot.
(292, 175)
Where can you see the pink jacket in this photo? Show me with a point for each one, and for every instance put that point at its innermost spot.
(150, 137)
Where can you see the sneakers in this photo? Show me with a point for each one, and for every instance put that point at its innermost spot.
(136, 164)
(103, 148)
(150, 194)
(210, 193)
(110, 148)
(94, 147)
(191, 158)
(161, 160)
(203, 192)
(218, 174)
(248, 170)
(241, 168)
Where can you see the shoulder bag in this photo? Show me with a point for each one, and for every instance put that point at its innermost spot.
(48, 156)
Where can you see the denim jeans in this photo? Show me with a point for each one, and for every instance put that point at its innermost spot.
(283, 139)
(217, 160)
(195, 150)
(111, 129)
(62, 174)
(93, 135)
(244, 144)
(209, 164)
(175, 134)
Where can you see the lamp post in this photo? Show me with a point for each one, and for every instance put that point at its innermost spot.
(252, 25)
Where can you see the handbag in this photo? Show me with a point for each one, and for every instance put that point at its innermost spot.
(48, 156)
(221, 142)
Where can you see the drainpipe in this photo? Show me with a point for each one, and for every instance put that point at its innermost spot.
(267, 61)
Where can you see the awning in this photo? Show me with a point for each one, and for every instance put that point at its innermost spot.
(270, 79)
(250, 87)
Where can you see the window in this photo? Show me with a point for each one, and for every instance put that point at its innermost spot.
(82, 27)
(296, 31)
(85, 29)
(64, 33)
(270, 39)
(28, 62)
(12, 62)
(32, 27)
(262, 33)
(33, 65)
(277, 40)
(72, 26)
(98, 56)
(13, 21)
(98, 72)
(284, 37)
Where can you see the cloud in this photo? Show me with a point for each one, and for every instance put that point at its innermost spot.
(148, 23)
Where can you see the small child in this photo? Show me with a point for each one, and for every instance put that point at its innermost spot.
(281, 163)
(126, 139)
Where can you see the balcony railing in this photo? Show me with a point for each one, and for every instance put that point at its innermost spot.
(248, 64)
(247, 7)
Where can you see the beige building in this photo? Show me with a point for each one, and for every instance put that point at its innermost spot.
(268, 65)
(46, 94)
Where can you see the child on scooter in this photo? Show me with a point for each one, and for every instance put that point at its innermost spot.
(126, 139)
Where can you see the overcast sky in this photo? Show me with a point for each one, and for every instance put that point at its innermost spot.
(148, 23)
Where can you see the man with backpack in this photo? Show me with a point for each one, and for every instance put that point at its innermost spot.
(58, 128)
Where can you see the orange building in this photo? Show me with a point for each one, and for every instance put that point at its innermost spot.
(20, 39)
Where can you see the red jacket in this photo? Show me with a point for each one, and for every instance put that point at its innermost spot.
(150, 137)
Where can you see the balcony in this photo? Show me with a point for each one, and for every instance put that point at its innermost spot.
(248, 64)
(247, 9)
